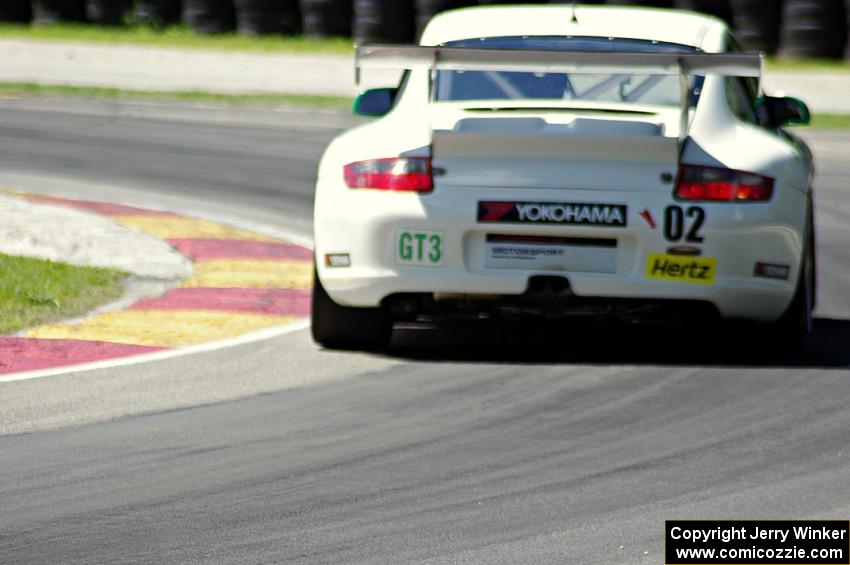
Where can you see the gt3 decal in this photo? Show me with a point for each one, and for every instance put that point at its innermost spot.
(679, 222)
(571, 213)
(419, 248)
(697, 270)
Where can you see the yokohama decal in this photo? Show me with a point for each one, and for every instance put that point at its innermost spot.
(610, 215)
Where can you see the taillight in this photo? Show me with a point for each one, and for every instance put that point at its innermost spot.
(722, 185)
(410, 174)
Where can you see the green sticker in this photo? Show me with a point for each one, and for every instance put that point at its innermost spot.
(419, 248)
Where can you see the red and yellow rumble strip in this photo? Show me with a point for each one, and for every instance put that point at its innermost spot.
(242, 281)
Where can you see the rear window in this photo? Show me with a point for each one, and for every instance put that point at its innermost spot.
(619, 88)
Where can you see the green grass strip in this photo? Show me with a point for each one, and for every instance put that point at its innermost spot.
(14, 89)
(177, 36)
(830, 121)
(35, 291)
(17, 89)
(807, 65)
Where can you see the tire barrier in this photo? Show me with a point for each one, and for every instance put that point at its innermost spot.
(209, 16)
(291, 17)
(813, 28)
(383, 21)
(16, 11)
(158, 13)
(326, 18)
(847, 26)
(52, 11)
(652, 3)
(718, 8)
(756, 24)
(793, 28)
(266, 17)
(107, 12)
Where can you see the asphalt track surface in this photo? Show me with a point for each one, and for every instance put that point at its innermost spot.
(496, 445)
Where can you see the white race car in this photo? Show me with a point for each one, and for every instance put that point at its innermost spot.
(563, 161)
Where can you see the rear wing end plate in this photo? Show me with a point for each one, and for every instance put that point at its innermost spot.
(683, 65)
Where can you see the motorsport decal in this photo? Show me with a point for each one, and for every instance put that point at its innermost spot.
(571, 213)
(419, 248)
(677, 268)
(574, 254)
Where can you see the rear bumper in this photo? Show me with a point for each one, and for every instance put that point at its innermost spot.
(365, 225)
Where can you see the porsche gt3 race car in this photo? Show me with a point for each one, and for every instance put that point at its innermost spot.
(566, 161)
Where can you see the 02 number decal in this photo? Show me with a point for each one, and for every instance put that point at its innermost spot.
(684, 222)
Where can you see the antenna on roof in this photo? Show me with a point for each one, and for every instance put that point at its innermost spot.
(574, 18)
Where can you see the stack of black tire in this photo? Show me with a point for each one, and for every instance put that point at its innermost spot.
(49, 11)
(756, 24)
(248, 17)
(159, 13)
(267, 17)
(107, 12)
(210, 16)
(718, 8)
(17, 11)
(383, 21)
(654, 3)
(813, 28)
(326, 18)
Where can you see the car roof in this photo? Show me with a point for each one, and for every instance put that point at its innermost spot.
(652, 24)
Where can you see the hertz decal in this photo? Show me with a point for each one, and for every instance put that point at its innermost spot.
(676, 268)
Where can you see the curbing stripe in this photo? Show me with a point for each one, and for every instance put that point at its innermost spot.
(24, 354)
(205, 249)
(220, 273)
(180, 227)
(164, 355)
(161, 328)
(103, 208)
(274, 301)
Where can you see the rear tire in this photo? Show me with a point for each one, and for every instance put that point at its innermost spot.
(344, 327)
(794, 329)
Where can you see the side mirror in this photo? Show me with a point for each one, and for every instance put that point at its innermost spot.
(375, 102)
(783, 111)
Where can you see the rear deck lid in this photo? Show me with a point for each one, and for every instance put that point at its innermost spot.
(553, 151)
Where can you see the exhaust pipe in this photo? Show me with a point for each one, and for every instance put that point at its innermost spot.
(549, 284)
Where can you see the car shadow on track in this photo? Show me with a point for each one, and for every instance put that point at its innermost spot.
(618, 344)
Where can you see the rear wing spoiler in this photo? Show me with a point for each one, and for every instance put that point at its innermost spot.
(520, 60)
